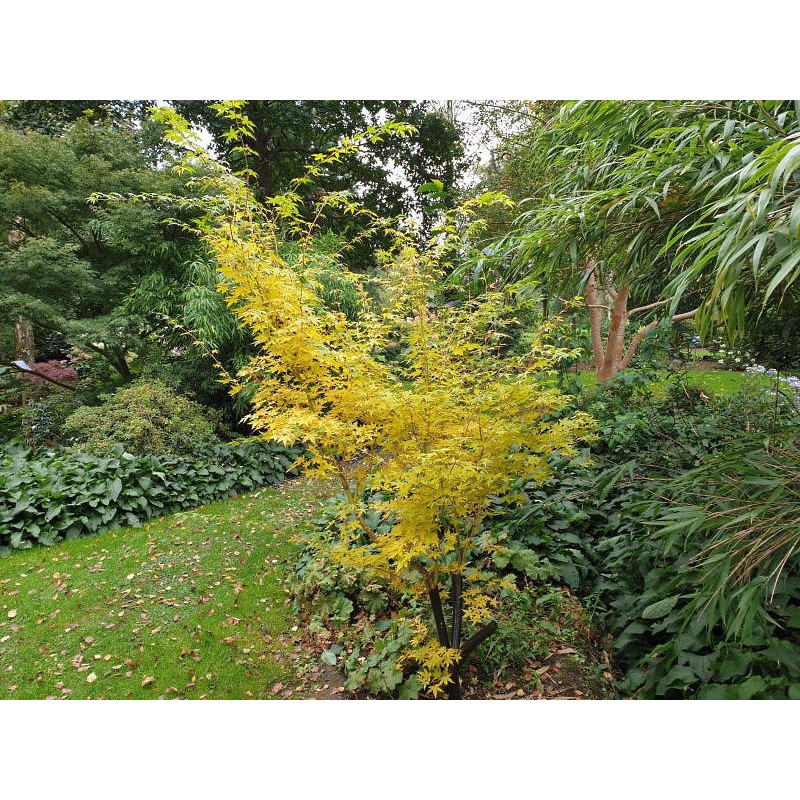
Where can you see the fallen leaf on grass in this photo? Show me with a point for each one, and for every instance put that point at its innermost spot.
(12, 613)
(91, 677)
(148, 680)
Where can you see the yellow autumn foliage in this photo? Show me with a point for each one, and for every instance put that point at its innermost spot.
(461, 427)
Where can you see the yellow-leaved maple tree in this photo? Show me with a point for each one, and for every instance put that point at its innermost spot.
(458, 430)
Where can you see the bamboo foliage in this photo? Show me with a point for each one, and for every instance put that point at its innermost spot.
(692, 202)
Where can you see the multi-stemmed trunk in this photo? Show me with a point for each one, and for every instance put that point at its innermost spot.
(451, 636)
(612, 355)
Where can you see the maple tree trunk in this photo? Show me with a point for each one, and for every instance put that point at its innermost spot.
(607, 359)
(642, 332)
(454, 687)
(614, 356)
(457, 603)
(615, 343)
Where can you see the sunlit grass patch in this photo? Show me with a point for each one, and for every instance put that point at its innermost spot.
(720, 383)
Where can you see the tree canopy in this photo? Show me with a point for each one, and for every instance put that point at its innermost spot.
(68, 265)
(682, 206)
(287, 134)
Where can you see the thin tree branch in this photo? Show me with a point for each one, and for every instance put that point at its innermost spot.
(38, 375)
(649, 307)
(643, 331)
(484, 633)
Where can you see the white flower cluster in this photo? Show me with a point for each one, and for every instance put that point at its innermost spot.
(735, 357)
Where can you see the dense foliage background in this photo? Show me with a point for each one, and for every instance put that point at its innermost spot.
(649, 242)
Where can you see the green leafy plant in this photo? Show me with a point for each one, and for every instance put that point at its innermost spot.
(681, 534)
(147, 418)
(64, 495)
(42, 422)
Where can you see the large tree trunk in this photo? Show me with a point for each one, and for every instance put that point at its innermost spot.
(608, 367)
(263, 164)
(25, 348)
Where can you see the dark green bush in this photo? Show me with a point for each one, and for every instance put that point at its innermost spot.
(42, 422)
(10, 424)
(632, 531)
(64, 495)
(146, 417)
(714, 609)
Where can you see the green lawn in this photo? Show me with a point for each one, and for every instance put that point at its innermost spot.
(712, 382)
(190, 606)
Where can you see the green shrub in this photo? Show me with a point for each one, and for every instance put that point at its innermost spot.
(720, 618)
(676, 505)
(10, 424)
(680, 624)
(368, 616)
(356, 608)
(42, 422)
(147, 418)
(67, 494)
(525, 627)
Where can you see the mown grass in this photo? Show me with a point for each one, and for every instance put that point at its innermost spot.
(188, 606)
(717, 383)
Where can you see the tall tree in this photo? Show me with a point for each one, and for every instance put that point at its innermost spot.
(53, 116)
(287, 134)
(672, 209)
(67, 265)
